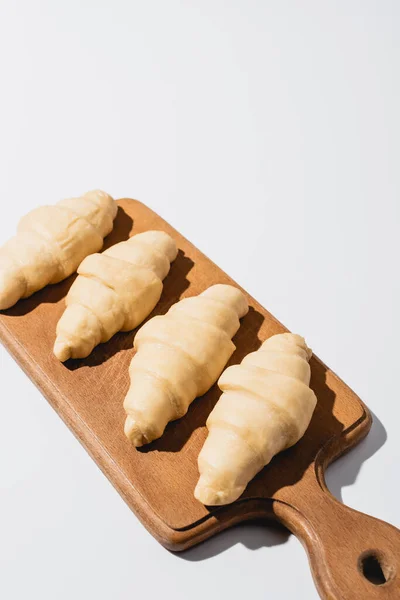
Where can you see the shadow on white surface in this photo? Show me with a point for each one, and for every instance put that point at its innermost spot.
(253, 535)
(344, 471)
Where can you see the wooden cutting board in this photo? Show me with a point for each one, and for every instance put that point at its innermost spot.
(157, 482)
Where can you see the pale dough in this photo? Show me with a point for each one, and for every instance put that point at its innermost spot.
(266, 407)
(179, 356)
(50, 243)
(115, 291)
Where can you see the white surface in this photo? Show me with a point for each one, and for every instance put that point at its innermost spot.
(268, 134)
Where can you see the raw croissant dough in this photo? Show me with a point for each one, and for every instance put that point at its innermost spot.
(115, 291)
(50, 243)
(179, 356)
(266, 407)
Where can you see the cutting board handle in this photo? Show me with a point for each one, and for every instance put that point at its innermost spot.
(352, 555)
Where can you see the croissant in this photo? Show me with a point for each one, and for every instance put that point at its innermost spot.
(50, 243)
(115, 291)
(266, 407)
(179, 356)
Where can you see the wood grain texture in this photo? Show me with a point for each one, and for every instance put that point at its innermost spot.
(158, 481)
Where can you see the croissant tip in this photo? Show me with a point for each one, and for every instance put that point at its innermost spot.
(133, 433)
(10, 292)
(62, 350)
(210, 496)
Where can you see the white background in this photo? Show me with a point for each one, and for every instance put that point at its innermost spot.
(268, 133)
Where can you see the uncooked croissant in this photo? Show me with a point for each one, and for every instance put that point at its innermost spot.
(115, 291)
(50, 243)
(179, 356)
(266, 407)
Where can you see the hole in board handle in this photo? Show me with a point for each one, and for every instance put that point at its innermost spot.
(375, 567)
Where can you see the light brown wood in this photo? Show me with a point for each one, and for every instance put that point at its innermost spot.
(158, 481)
